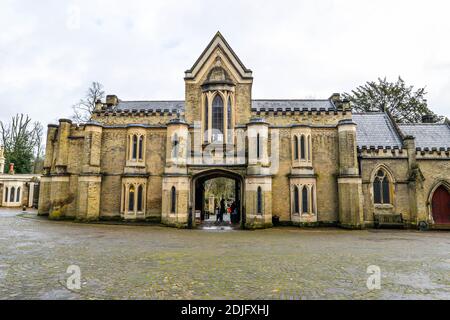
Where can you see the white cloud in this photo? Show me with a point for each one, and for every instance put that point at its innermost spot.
(140, 49)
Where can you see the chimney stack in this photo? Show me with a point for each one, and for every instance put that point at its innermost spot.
(427, 118)
(11, 168)
(112, 100)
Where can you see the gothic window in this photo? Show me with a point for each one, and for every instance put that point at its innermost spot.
(229, 114)
(313, 203)
(295, 148)
(18, 195)
(141, 147)
(217, 118)
(309, 148)
(258, 146)
(302, 147)
(124, 191)
(173, 200)
(206, 119)
(381, 188)
(175, 146)
(131, 198)
(259, 201)
(140, 198)
(305, 199)
(134, 147)
(6, 194)
(296, 201)
(11, 196)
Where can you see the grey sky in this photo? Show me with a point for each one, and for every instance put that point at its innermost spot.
(50, 51)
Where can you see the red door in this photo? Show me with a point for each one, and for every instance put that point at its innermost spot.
(441, 205)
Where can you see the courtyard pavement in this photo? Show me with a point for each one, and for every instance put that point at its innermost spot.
(153, 262)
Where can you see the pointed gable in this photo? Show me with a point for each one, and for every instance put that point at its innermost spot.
(218, 47)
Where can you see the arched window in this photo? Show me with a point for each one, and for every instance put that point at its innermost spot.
(18, 195)
(140, 197)
(381, 188)
(305, 199)
(173, 200)
(309, 148)
(259, 201)
(124, 192)
(217, 118)
(229, 115)
(295, 148)
(313, 203)
(302, 147)
(141, 147)
(258, 146)
(175, 146)
(6, 194)
(134, 147)
(11, 196)
(296, 201)
(205, 122)
(131, 198)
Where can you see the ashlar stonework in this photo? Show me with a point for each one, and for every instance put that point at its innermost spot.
(304, 162)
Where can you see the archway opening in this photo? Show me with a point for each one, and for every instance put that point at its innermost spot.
(217, 200)
(440, 205)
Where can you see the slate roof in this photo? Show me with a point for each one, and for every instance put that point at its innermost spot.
(291, 105)
(257, 105)
(428, 135)
(376, 129)
(153, 106)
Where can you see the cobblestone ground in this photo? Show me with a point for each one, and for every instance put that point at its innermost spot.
(150, 262)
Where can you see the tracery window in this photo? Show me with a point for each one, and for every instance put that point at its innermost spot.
(136, 147)
(381, 188)
(217, 118)
(133, 198)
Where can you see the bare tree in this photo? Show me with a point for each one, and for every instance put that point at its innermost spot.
(22, 142)
(83, 110)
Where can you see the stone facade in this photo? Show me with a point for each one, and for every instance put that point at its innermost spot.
(304, 161)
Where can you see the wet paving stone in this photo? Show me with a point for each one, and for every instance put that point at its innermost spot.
(151, 262)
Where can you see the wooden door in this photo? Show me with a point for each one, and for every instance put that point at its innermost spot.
(441, 205)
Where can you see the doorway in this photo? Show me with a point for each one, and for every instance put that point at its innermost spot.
(217, 200)
(440, 205)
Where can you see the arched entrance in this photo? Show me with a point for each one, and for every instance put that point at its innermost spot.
(440, 205)
(202, 211)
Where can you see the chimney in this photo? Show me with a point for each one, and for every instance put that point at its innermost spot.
(98, 105)
(335, 97)
(427, 118)
(11, 168)
(112, 100)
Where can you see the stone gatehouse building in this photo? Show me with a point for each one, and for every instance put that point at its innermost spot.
(305, 162)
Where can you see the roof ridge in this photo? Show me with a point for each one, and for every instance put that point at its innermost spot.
(295, 99)
(151, 101)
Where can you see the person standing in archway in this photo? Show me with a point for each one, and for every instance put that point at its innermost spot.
(222, 209)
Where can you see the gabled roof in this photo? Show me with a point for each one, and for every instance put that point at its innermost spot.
(428, 135)
(259, 105)
(376, 129)
(218, 41)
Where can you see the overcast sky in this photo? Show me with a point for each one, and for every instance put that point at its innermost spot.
(50, 51)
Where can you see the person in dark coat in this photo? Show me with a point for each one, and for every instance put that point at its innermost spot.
(222, 209)
(233, 212)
